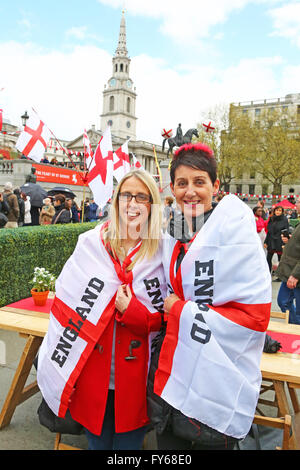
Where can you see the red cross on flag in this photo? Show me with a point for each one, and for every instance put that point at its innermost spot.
(100, 175)
(121, 161)
(136, 164)
(34, 139)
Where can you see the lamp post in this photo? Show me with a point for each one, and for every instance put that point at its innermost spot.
(24, 118)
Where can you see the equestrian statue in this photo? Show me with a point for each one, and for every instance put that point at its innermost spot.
(179, 139)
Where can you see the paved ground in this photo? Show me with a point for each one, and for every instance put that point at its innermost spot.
(25, 432)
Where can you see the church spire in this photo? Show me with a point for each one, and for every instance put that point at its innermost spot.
(121, 50)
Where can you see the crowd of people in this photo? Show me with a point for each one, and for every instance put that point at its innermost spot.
(16, 209)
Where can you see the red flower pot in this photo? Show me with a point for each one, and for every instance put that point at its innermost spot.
(39, 298)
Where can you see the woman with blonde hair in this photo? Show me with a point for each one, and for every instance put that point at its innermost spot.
(108, 307)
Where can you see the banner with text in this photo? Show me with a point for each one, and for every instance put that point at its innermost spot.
(57, 175)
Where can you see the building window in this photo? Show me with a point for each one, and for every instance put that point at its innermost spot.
(111, 103)
(298, 109)
(264, 189)
(239, 188)
(245, 111)
(121, 68)
(257, 111)
(251, 188)
(116, 67)
(128, 105)
(252, 174)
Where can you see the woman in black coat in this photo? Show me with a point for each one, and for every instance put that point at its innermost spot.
(273, 242)
(62, 212)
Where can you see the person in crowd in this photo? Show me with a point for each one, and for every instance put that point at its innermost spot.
(62, 213)
(86, 216)
(45, 160)
(47, 212)
(4, 209)
(12, 201)
(168, 212)
(205, 365)
(264, 213)
(110, 296)
(27, 209)
(17, 192)
(93, 211)
(273, 243)
(104, 214)
(288, 272)
(72, 206)
(260, 223)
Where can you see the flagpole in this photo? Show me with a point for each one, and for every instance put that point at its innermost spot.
(158, 169)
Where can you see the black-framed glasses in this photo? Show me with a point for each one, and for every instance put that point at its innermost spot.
(140, 198)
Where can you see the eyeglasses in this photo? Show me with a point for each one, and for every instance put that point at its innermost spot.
(140, 198)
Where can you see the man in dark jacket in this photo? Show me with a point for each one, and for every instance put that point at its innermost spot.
(288, 271)
(14, 211)
(21, 203)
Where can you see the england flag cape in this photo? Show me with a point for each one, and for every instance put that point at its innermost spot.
(209, 366)
(83, 307)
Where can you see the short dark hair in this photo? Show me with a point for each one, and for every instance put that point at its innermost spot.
(60, 197)
(198, 156)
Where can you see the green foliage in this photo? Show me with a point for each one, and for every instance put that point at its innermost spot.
(294, 222)
(24, 248)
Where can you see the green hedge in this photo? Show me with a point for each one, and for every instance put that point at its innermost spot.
(24, 248)
(294, 222)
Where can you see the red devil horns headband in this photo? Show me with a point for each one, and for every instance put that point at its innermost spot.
(193, 148)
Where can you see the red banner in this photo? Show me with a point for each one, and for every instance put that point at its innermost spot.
(57, 175)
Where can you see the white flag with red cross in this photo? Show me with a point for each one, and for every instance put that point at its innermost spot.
(136, 165)
(34, 138)
(121, 161)
(88, 152)
(100, 166)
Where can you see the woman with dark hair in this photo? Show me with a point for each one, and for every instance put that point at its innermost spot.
(205, 369)
(278, 225)
(62, 212)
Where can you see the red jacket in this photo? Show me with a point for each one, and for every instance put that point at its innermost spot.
(88, 401)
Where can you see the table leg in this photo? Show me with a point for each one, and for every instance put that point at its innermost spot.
(17, 393)
(283, 409)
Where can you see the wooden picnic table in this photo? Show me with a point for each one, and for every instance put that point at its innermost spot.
(33, 326)
(281, 368)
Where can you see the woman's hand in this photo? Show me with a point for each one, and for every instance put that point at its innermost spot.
(169, 302)
(123, 298)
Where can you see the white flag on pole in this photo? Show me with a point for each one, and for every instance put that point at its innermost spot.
(100, 175)
(34, 138)
(121, 161)
(136, 164)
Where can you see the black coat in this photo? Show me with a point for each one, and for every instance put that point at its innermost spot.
(273, 239)
(61, 216)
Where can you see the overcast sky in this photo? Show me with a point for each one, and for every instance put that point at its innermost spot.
(187, 56)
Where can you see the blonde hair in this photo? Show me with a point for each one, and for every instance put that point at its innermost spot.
(150, 238)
